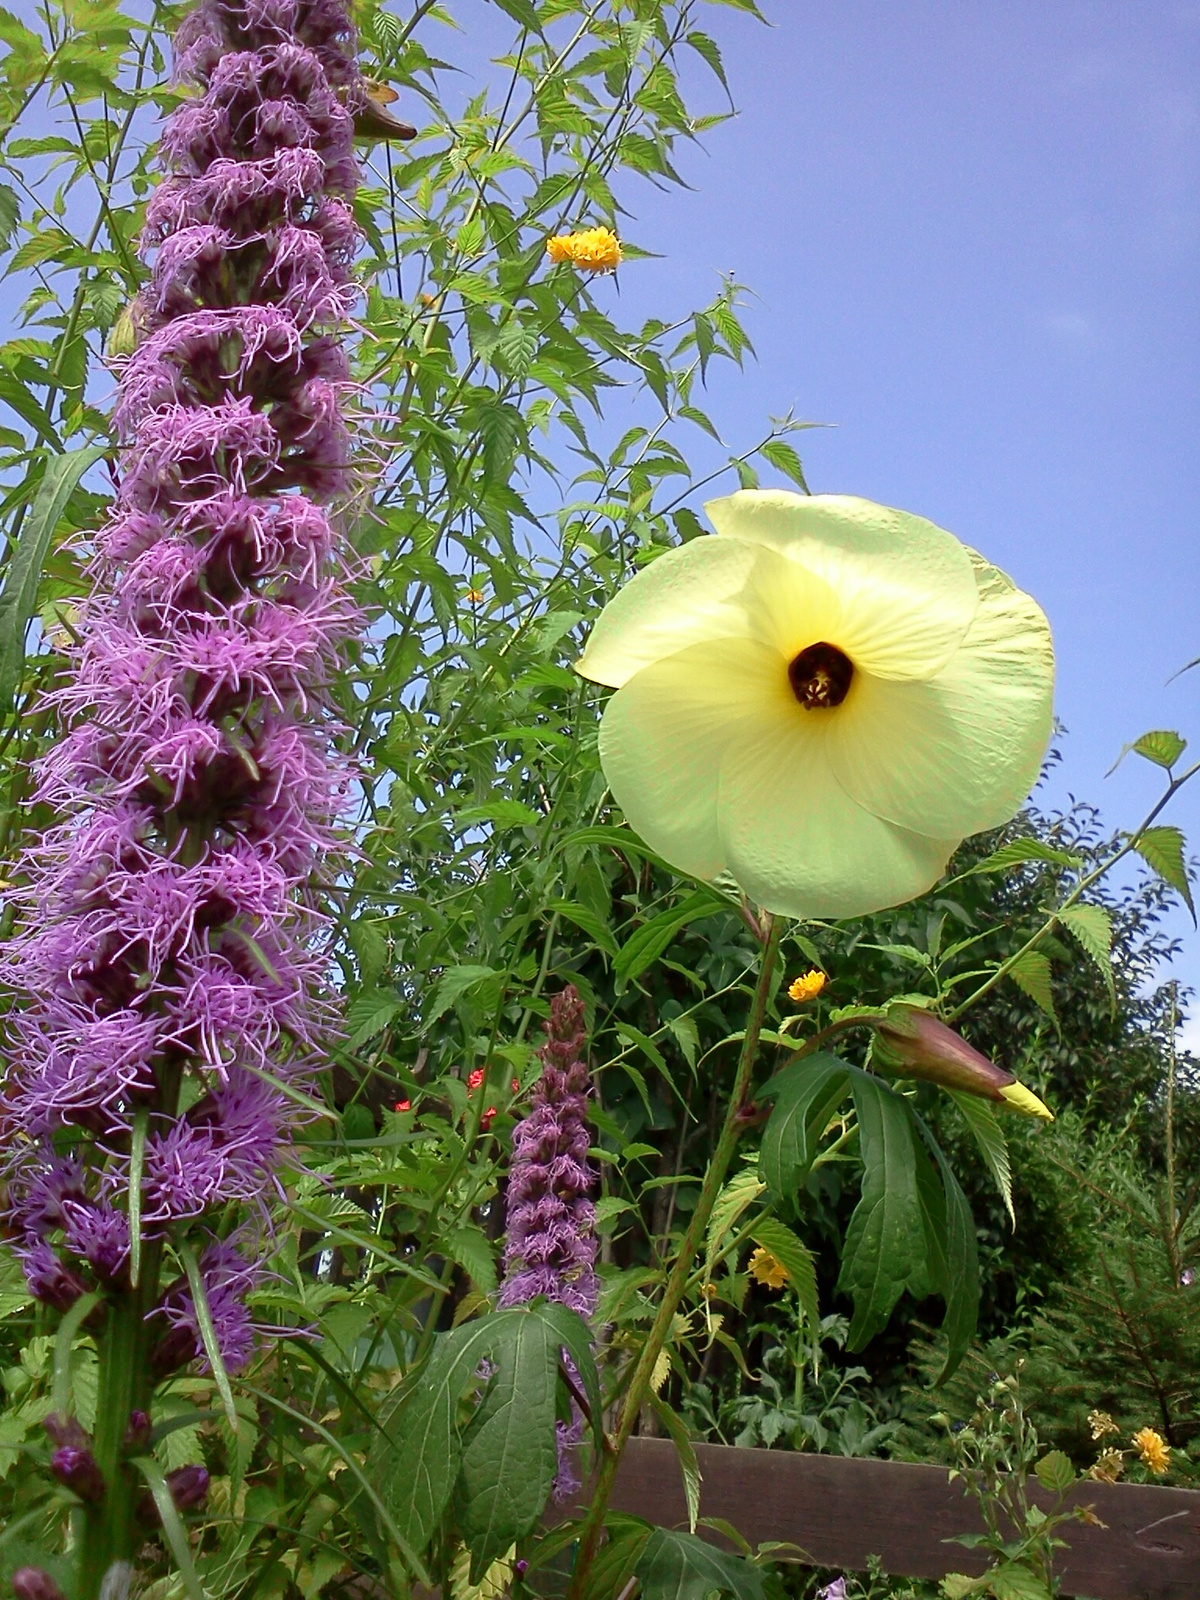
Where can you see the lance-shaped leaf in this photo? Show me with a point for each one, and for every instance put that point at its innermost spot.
(884, 1251)
(644, 947)
(993, 1146)
(806, 1095)
(19, 599)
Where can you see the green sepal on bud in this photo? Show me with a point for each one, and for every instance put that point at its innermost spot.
(913, 1043)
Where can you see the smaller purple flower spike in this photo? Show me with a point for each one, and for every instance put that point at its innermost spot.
(228, 1277)
(551, 1246)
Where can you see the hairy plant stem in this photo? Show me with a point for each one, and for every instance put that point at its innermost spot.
(714, 1177)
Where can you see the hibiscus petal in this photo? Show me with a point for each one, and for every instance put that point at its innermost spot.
(960, 753)
(905, 586)
(799, 845)
(664, 735)
(704, 590)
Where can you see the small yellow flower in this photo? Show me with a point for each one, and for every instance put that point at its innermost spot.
(593, 249)
(807, 987)
(1108, 1466)
(1153, 1449)
(767, 1269)
(709, 1291)
(1101, 1424)
(475, 597)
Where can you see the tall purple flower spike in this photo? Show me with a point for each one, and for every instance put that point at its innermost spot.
(551, 1247)
(171, 963)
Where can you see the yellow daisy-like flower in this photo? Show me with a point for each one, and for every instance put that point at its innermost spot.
(768, 1269)
(1153, 1449)
(593, 249)
(822, 701)
(806, 987)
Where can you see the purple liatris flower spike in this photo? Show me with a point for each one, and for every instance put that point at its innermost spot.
(171, 962)
(551, 1246)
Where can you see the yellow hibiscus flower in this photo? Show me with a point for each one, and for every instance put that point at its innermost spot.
(822, 701)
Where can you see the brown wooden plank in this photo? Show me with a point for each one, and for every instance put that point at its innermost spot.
(842, 1511)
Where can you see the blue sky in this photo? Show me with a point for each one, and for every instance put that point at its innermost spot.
(973, 232)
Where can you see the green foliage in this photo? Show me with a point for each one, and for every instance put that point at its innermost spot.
(526, 452)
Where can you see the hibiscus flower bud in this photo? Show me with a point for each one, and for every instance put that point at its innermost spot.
(916, 1044)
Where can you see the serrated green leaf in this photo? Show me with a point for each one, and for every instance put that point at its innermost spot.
(1031, 974)
(1162, 746)
(369, 1014)
(783, 456)
(1164, 850)
(980, 1116)
(735, 1197)
(469, 1247)
(796, 1258)
(453, 984)
(685, 1451)
(1092, 926)
(1015, 1582)
(1018, 851)
(806, 1096)
(1056, 1472)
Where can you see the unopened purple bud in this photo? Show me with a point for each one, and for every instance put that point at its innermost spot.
(66, 1433)
(520, 1568)
(79, 1471)
(49, 1280)
(137, 1434)
(34, 1583)
(188, 1486)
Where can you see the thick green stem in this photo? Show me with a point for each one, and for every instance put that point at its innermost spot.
(639, 1384)
(110, 1530)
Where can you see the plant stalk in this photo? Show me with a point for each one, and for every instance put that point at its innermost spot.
(639, 1384)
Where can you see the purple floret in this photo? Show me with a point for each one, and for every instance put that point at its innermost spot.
(171, 956)
(551, 1246)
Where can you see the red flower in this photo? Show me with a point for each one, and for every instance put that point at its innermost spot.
(475, 1079)
(485, 1120)
(516, 1086)
(403, 1105)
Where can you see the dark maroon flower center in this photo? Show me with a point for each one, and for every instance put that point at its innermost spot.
(820, 676)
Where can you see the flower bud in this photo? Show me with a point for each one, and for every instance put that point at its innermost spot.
(915, 1044)
(79, 1471)
(136, 1439)
(32, 1583)
(188, 1486)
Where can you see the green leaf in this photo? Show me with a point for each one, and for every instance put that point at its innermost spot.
(454, 983)
(19, 600)
(794, 1255)
(980, 1116)
(510, 1456)
(685, 1450)
(504, 814)
(1164, 850)
(1015, 1582)
(1031, 974)
(1017, 851)
(679, 1566)
(208, 1333)
(783, 456)
(64, 1342)
(415, 1458)
(1055, 1472)
(469, 1247)
(369, 1014)
(806, 1094)
(644, 947)
(1092, 926)
(884, 1249)
(1163, 747)
(740, 1192)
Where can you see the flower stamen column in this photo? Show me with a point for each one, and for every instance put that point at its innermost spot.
(170, 968)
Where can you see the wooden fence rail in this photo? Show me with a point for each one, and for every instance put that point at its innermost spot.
(842, 1511)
